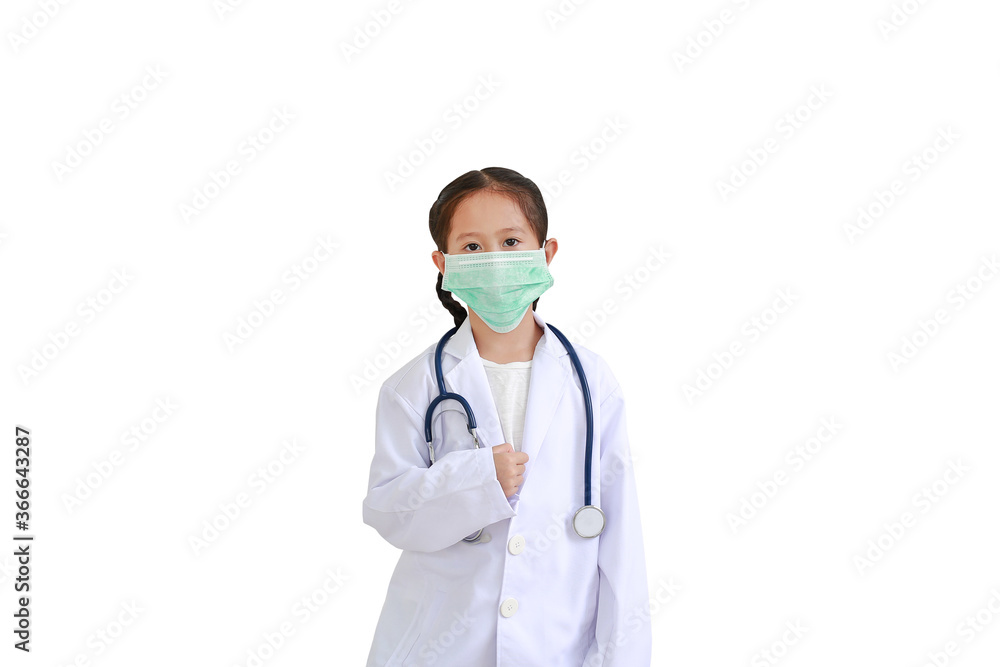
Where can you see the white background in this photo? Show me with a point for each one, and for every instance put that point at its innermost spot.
(683, 128)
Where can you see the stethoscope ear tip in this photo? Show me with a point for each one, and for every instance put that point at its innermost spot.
(480, 537)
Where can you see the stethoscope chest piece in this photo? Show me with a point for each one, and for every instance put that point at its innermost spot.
(588, 521)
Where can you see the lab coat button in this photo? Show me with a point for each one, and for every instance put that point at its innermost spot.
(508, 607)
(516, 544)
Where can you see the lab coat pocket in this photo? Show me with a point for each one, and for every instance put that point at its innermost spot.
(427, 611)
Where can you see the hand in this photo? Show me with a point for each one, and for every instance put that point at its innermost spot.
(510, 467)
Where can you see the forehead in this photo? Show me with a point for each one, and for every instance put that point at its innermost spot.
(486, 212)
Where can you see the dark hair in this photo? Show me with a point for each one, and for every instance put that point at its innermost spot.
(522, 191)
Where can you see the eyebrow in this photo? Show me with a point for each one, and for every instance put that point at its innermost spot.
(499, 231)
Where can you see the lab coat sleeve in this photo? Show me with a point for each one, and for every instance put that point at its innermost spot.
(623, 635)
(419, 507)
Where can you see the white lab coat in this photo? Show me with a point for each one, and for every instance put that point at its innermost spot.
(578, 601)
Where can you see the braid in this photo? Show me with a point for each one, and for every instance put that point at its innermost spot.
(454, 307)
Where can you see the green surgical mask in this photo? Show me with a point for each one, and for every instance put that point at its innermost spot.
(500, 286)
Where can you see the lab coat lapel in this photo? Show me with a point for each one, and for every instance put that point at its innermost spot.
(468, 378)
(549, 380)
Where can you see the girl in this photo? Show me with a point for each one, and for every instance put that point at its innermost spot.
(527, 589)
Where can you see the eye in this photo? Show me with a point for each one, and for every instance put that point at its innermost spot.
(511, 245)
(466, 247)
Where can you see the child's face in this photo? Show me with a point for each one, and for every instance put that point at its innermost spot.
(488, 222)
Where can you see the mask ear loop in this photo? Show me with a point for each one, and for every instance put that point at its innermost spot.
(534, 304)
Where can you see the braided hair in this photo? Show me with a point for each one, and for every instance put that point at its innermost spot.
(508, 182)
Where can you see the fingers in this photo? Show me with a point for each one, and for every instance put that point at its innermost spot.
(513, 468)
(510, 467)
(514, 481)
(512, 487)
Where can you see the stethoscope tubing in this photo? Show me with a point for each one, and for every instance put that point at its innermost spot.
(444, 395)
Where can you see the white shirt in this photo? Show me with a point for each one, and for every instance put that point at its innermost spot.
(509, 383)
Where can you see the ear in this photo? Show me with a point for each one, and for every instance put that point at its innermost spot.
(438, 258)
(551, 246)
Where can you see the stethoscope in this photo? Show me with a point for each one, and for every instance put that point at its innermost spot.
(589, 519)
